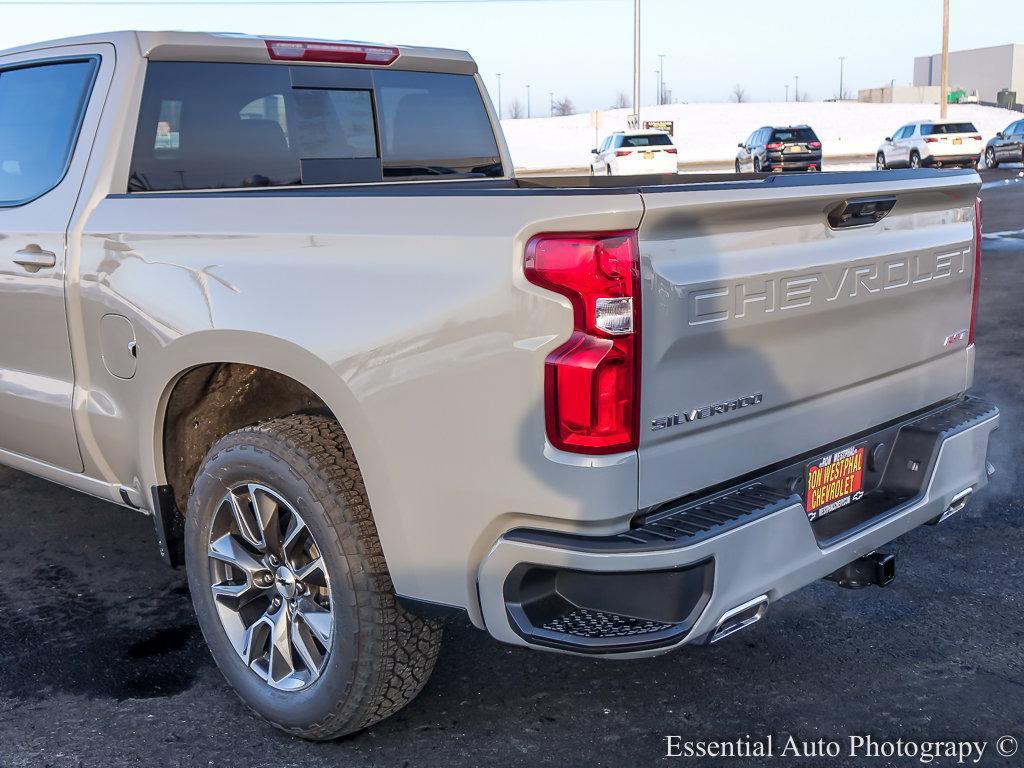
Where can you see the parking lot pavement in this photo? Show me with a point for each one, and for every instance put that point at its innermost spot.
(102, 663)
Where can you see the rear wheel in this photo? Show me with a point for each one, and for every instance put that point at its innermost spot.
(880, 162)
(915, 160)
(290, 584)
(609, 170)
(757, 165)
(990, 158)
(737, 166)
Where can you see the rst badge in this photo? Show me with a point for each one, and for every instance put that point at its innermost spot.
(953, 338)
(695, 414)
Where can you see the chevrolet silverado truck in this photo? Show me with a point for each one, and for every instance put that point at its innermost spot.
(288, 298)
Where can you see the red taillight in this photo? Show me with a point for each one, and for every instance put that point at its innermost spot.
(774, 145)
(814, 144)
(622, 152)
(976, 286)
(671, 151)
(931, 140)
(592, 382)
(332, 53)
(976, 138)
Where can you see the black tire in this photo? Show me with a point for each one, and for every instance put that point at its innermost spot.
(990, 158)
(738, 167)
(757, 165)
(880, 163)
(609, 170)
(915, 160)
(384, 655)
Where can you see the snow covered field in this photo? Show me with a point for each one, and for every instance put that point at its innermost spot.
(708, 133)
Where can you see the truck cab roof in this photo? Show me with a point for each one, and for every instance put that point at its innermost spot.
(245, 48)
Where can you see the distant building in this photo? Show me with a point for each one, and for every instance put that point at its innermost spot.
(985, 70)
(901, 94)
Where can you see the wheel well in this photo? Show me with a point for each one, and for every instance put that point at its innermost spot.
(212, 400)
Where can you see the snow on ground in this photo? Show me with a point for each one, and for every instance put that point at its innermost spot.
(710, 132)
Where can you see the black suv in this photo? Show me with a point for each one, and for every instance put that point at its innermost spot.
(1007, 146)
(794, 148)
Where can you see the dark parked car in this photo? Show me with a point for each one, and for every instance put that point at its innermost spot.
(795, 148)
(1007, 146)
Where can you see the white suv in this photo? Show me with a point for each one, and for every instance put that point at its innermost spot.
(923, 144)
(635, 152)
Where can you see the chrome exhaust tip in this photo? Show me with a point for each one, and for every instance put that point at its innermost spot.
(956, 504)
(740, 617)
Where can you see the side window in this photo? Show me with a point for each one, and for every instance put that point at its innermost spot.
(41, 110)
(750, 140)
(761, 138)
(1017, 127)
(209, 126)
(617, 141)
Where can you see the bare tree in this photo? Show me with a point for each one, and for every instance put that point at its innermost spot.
(739, 93)
(563, 107)
(621, 100)
(515, 109)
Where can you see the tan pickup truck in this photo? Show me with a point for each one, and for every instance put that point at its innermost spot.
(288, 298)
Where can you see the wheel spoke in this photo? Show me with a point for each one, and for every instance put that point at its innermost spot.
(313, 572)
(237, 596)
(306, 649)
(267, 513)
(281, 663)
(230, 550)
(254, 641)
(248, 526)
(295, 530)
(317, 619)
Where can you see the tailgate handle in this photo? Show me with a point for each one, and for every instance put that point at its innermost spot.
(859, 213)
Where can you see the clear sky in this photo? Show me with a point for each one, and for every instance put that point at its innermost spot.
(583, 48)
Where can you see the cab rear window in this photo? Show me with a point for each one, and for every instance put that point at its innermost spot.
(930, 129)
(224, 126)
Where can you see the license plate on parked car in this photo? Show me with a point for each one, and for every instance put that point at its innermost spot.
(958, 141)
(648, 155)
(834, 481)
(791, 150)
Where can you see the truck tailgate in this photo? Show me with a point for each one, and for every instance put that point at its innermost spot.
(768, 333)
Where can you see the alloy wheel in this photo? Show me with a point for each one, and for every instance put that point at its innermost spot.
(270, 587)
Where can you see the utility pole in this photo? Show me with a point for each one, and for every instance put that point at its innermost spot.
(796, 88)
(499, 95)
(527, 100)
(944, 104)
(661, 78)
(842, 59)
(636, 60)
(787, 91)
(551, 103)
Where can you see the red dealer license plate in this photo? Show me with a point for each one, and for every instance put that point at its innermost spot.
(835, 481)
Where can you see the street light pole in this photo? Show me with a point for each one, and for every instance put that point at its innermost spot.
(661, 78)
(636, 60)
(842, 59)
(499, 95)
(528, 100)
(944, 104)
(551, 104)
(787, 91)
(796, 88)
